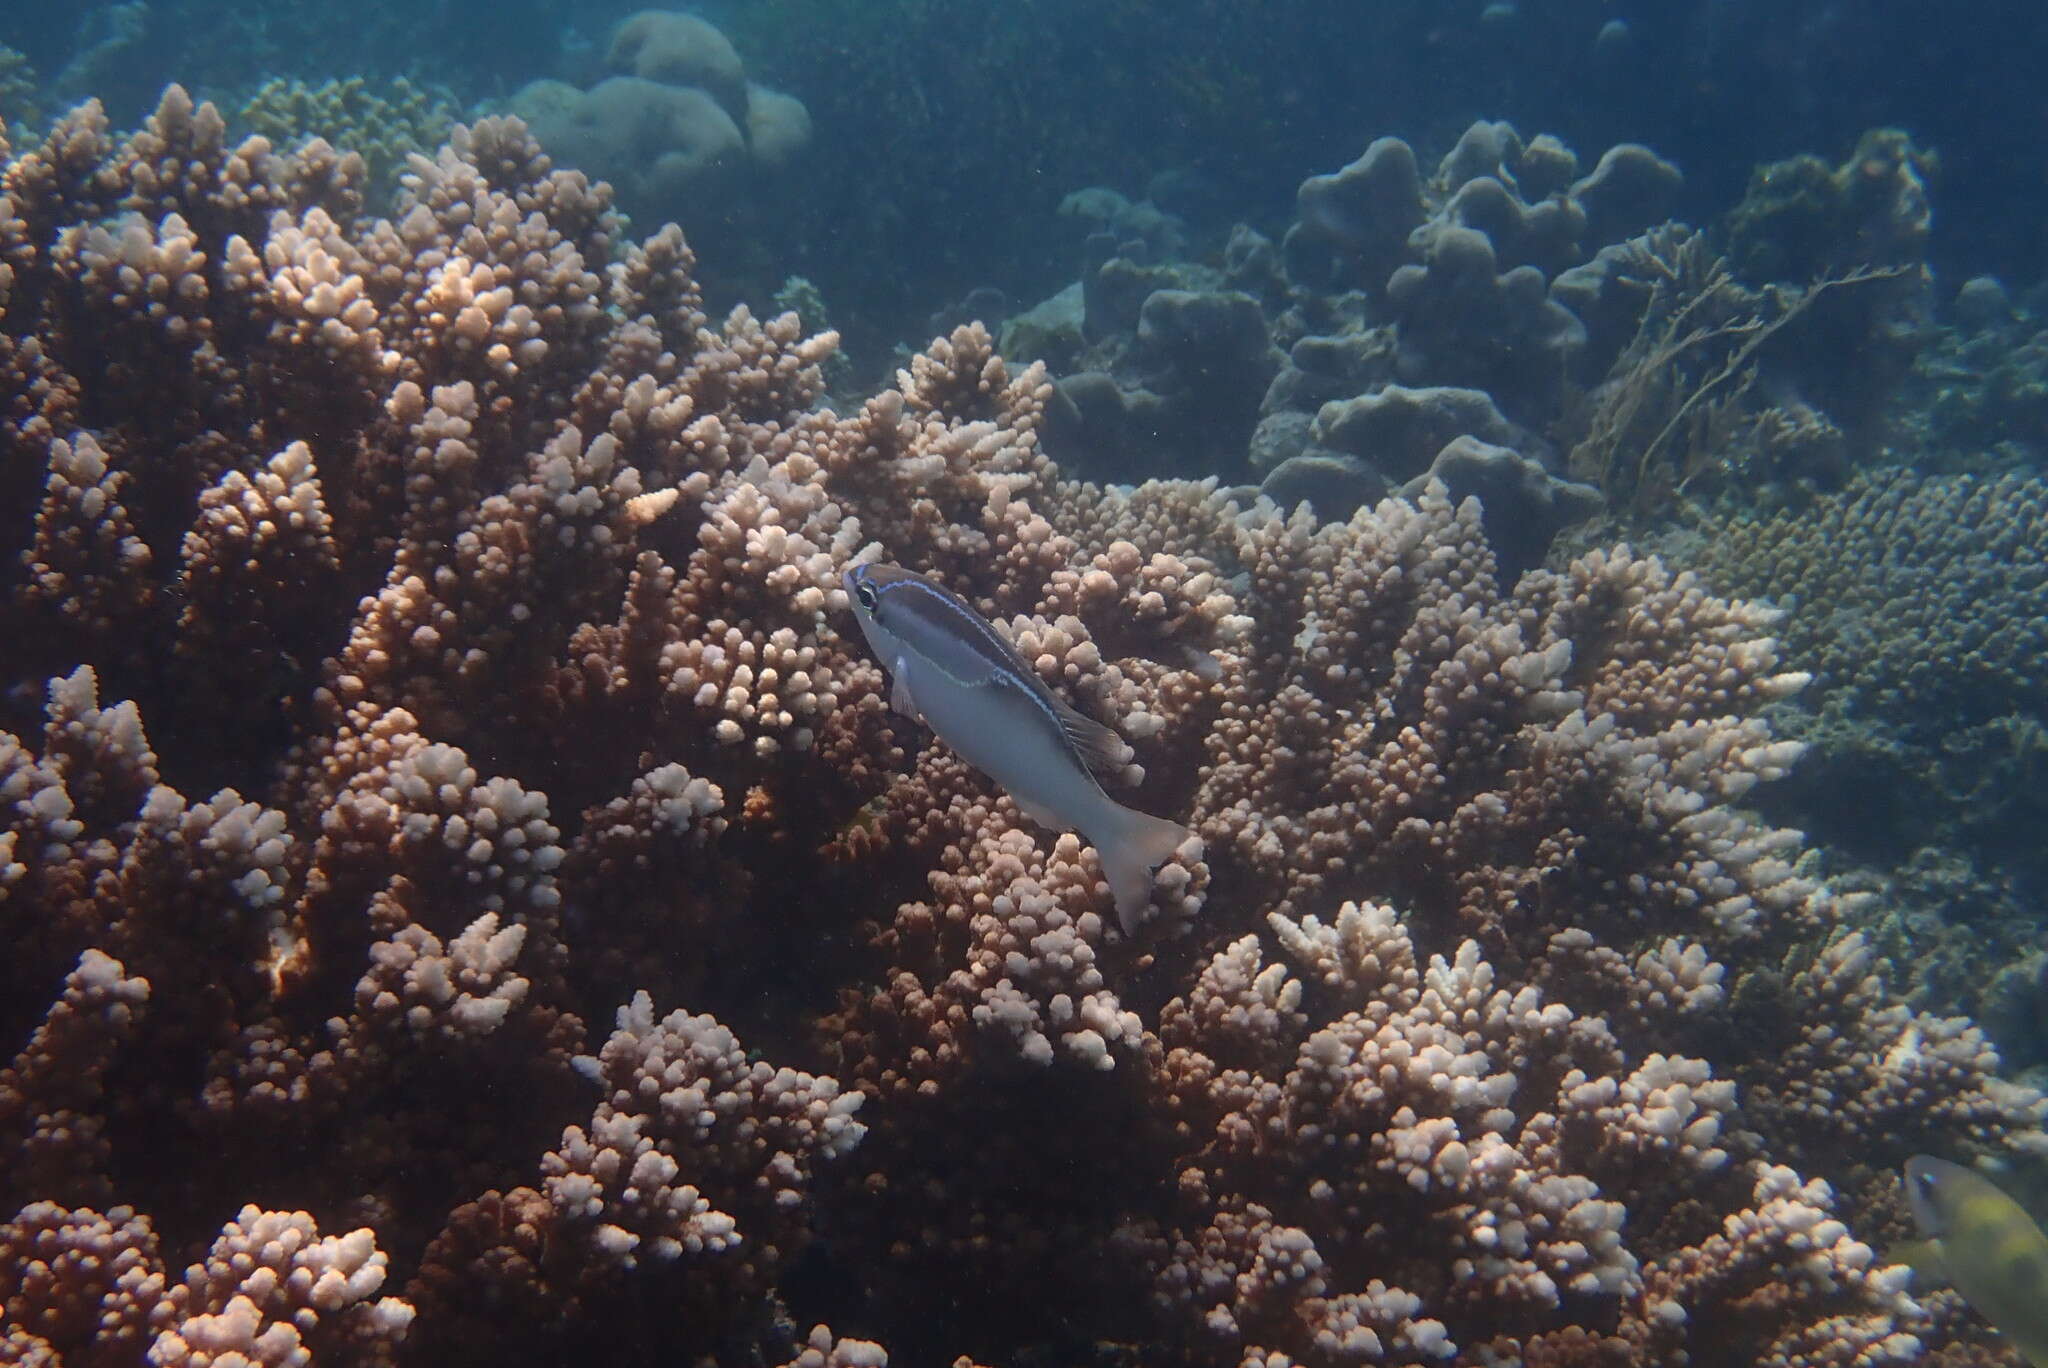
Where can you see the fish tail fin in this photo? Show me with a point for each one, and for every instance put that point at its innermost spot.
(1131, 844)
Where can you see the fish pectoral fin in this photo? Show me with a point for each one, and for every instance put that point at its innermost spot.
(899, 692)
(1924, 1258)
(1041, 814)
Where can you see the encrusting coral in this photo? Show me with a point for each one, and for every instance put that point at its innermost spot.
(494, 592)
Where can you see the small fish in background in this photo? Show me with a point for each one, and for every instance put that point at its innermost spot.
(950, 669)
(1984, 1244)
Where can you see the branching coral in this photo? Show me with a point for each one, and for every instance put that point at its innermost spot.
(385, 126)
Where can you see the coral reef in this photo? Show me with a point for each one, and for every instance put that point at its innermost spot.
(1686, 411)
(1386, 281)
(1014, 106)
(1920, 605)
(1802, 219)
(18, 104)
(384, 125)
(1977, 399)
(1457, 266)
(270, 1290)
(1551, 312)
(493, 591)
(1075, 92)
(676, 128)
(1804, 222)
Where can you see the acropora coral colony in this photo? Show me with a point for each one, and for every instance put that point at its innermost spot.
(425, 643)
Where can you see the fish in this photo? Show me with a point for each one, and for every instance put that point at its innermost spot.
(1984, 1243)
(949, 668)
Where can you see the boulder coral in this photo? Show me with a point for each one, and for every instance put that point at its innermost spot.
(677, 129)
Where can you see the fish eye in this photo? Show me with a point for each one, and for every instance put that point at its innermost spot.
(865, 592)
(1925, 1182)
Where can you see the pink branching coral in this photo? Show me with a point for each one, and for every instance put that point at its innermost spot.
(493, 592)
(270, 1290)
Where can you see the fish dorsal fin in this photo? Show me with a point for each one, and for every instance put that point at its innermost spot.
(1098, 745)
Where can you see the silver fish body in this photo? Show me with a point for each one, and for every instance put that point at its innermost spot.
(953, 670)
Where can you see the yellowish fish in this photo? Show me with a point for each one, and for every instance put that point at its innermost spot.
(949, 668)
(1984, 1243)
